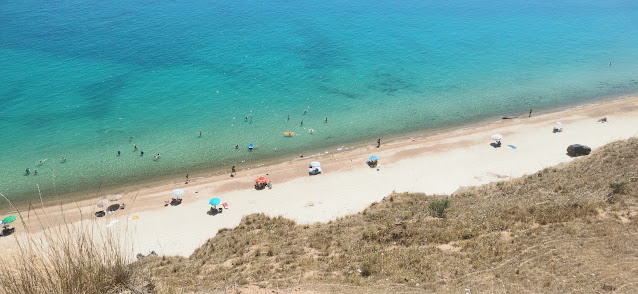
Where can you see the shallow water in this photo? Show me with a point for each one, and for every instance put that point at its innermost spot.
(80, 78)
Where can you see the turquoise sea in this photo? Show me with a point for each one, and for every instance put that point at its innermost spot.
(79, 78)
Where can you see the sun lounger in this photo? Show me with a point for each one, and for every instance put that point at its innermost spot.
(225, 205)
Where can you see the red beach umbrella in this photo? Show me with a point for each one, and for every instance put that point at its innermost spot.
(262, 180)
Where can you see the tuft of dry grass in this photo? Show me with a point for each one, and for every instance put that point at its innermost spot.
(72, 258)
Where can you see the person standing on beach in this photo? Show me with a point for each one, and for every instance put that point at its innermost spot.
(378, 142)
(232, 171)
(186, 178)
(530, 112)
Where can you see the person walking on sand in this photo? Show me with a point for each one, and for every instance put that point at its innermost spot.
(378, 142)
(186, 178)
(530, 112)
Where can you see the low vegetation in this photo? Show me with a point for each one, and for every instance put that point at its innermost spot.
(570, 228)
(553, 231)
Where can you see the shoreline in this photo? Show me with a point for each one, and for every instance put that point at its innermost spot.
(432, 164)
(217, 171)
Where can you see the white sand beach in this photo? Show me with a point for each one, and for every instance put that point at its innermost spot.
(436, 164)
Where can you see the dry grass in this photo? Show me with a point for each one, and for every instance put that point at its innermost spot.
(566, 229)
(68, 259)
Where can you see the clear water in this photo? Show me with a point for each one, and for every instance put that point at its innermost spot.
(78, 78)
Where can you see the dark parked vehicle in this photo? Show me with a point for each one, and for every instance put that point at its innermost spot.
(578, 149)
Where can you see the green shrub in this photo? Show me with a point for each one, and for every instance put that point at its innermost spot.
(438, 207)
(618, 187)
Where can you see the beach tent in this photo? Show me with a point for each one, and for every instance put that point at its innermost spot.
(102, 203)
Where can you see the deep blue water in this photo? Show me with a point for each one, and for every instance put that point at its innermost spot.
(78, 78)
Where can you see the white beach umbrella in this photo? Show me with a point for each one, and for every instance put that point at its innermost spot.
(102, 203)
(315, 164)
(559, 123)
(178, 192)
(116, 197)
(497, 137)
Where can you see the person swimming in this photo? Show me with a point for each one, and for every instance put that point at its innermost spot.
(141, 153)
(135, 147)
(28, 171)
(118, 152)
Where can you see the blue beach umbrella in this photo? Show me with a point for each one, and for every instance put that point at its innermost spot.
(215, 201)
(374, 158)
(178, 192)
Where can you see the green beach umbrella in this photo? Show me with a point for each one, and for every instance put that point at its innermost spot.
(9, 219)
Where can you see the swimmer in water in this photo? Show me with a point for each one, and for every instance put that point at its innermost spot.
(141, 153)
(135, 147)
(237, 146)
(130, 138)
(304, 111)
(302, 122)
(28, 170)
(63, 159)
(35, 172)
(326, 119)
(312, 131)
(200, 133)
(118, 152)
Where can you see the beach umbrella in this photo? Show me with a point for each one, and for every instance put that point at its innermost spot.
(9, 219)
(497, 137)
(102, 203)
(116, 197)
(178, 192)
(262, 180)
(315, 164)
(215, 201)
(374, 158)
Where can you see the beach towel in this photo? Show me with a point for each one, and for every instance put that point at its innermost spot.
(512, 146)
